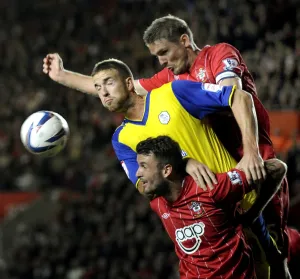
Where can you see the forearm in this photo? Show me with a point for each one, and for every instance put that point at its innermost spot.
(78, 82)
(244, 112)
(276, 171)
(140, 90)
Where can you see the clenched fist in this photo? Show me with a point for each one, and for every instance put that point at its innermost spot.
(53, 66)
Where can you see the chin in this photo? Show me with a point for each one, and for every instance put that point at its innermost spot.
(179, 71)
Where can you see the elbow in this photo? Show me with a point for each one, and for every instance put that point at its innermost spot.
(242, 97)
(282, 169)
(276, 169)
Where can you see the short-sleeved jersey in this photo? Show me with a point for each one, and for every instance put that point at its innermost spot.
(176, 110)
(200, 224)
(213, 64)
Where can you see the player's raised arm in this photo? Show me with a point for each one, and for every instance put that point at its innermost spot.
(235, 186)
(228, 68)
(244, 112)
(53, 67)
(201, 99)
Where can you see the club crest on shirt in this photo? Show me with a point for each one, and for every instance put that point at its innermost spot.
(183, 153)
(195, 206)
(164, 117)
(201, 74)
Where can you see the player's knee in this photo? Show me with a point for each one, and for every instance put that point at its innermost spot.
(276, 168)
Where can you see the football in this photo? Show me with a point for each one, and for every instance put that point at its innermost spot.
(44, 133)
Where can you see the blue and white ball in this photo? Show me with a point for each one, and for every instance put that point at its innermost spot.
(45, 133)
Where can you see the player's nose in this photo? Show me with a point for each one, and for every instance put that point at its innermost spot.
(104, 92)
(138, 173)
(163, 61)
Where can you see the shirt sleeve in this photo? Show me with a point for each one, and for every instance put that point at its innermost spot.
(232, 187)
(201, 99)
(226, 62)
(127, 158)
(156, 81)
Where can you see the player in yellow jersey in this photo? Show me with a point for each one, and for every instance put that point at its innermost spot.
(179, 113)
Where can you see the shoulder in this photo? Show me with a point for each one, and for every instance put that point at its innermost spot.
(222, 47)
(184, 85)
(116, 134)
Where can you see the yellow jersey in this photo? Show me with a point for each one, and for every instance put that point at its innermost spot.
(177, 110)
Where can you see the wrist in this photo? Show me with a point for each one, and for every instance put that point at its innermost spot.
(62, 77)
(250, 148)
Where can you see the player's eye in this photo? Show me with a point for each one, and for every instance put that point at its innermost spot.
(163, 52)
(143, 166)
(110, 82)
(97, 87)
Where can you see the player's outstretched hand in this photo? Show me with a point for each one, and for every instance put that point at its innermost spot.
(253, 166)
(53, 66)
(201, 174)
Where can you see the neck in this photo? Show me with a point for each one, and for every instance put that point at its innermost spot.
(136, 109)
(174, 189)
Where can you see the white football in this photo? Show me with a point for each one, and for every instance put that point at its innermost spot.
(44, 133)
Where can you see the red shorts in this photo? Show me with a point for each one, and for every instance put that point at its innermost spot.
(276, 215)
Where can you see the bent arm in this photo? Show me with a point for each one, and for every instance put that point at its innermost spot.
(276, 170)
(244, 112)
(85, 83)
(243, 109)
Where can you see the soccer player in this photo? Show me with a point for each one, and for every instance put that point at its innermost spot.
(171, 40)
(208, 242)
(176, 109)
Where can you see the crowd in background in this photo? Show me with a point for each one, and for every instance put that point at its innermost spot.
(84, 240)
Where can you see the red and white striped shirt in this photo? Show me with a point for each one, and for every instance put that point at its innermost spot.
(213, 64)
(200, 223)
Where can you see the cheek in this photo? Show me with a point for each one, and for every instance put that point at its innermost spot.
(101, 99)
(179, 55)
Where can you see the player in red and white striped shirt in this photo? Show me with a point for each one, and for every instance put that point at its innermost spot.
(208, 242)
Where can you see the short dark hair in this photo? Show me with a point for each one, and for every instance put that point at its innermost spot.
(168, 27)
(165, 149)
(112, 63)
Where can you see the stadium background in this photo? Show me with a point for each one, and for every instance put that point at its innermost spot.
(76, 215)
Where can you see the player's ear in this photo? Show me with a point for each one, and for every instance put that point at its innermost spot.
(129, 83)
(167, 170)
(185, 40)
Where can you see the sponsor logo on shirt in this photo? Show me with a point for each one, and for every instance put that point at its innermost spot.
(230, 64)
(188, 237)
(235, 177)
(212, 87)
(165, 215)
(201, 76)
(164, 117)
